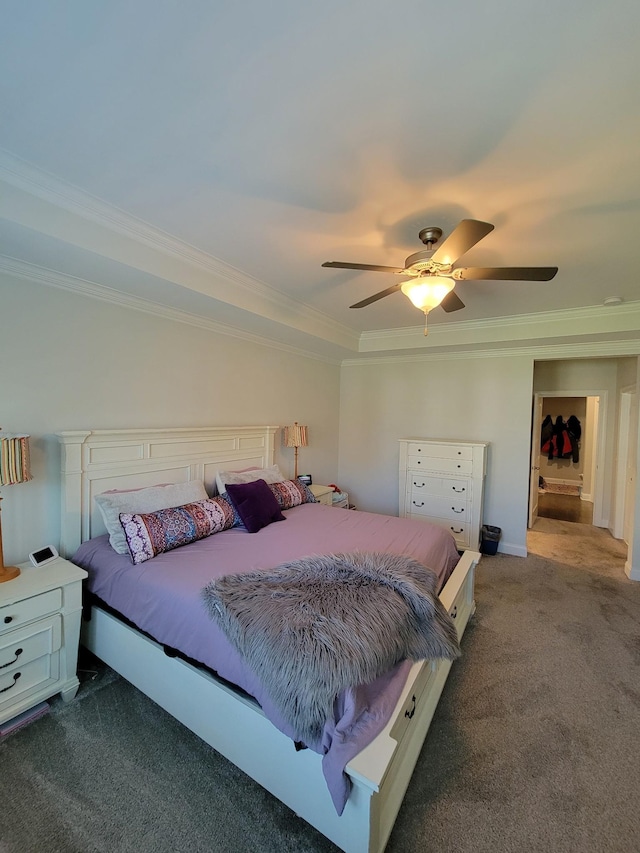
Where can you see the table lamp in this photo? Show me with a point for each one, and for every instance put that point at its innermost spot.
(14, 468)
(295, 436)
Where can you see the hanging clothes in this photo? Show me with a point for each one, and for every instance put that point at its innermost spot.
(560, 440)
(558, 446)
(546, 434)
(574, 430)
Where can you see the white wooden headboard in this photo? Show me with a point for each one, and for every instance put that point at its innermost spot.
(94, 461)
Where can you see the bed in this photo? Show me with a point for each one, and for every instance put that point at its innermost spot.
(232, 721)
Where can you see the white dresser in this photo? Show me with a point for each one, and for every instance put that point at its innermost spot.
(442, 481)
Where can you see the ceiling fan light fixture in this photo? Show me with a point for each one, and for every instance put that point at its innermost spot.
(427, 293)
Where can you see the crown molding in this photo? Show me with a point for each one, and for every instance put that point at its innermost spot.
(285, 310)
(550, 352)
(43, 185)
(592, 319)
(42, 275)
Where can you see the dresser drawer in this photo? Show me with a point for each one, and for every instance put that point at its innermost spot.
(440, 451)
(19, 647)
(445, 486)
(35, 675)
(29, 609)
(447, 465)
(460, 530)
(443, 507)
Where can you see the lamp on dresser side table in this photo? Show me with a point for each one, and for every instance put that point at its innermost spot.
(40, 614)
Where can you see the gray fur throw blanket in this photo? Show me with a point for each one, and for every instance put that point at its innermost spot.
(316, 626)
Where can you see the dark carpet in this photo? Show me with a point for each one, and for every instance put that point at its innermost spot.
(534, 746)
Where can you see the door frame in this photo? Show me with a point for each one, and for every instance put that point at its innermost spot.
(534, 468)
(625, 405)
(599, 446)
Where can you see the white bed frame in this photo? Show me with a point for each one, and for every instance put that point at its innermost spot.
(94, 461)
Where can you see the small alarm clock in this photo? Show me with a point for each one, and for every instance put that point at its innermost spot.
(44, 555)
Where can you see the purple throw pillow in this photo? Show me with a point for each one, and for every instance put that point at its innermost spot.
(256, 504)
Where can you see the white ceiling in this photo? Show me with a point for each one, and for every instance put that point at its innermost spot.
(262, 139)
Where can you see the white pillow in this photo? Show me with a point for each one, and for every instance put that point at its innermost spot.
(270, 475)
(151, 499)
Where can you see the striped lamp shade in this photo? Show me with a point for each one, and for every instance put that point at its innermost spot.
(14, 468)
(14, 459)
(295, 436)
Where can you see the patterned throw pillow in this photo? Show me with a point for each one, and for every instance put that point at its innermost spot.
(292, 493)
(153, 533)
(148, 499)
(237, 521)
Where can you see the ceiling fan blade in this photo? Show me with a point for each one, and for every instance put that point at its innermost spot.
(377, 296)
(451, 302)
(466, 234)
(505, 273)
(342, 265)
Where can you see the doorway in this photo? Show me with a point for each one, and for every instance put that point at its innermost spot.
(566, 480)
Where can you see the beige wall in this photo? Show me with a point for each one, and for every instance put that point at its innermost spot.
(473, 398)
(72, 362)
(69, 361)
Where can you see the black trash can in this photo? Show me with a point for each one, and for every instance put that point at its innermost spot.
(489, 538)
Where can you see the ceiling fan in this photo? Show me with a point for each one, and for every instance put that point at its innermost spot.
(433, 275)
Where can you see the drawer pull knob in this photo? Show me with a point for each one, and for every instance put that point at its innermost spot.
(18, 652)
(459, 490)
(409, 714)
(418, 485)
(16, 676)
(457, 510)
(8, 619)
(415, 503)
(456, 531)
(454, 611)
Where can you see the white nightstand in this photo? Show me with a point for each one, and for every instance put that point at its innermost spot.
(322, 494)
(39, 635)
(326, 495)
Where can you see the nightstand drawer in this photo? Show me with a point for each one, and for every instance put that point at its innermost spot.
(22, 612)
(26, 644)
(35, 675)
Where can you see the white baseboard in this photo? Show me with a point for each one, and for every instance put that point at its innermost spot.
(557, 481)
(633, 573)
(512, 550)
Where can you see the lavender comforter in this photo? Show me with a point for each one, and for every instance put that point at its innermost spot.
(163, 598)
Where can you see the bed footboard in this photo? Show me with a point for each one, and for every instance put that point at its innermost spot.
(236, 727)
